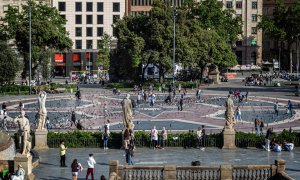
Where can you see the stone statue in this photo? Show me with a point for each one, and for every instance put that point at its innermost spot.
(229, 113)
(24, 133)
(127, 113)
(42, 110)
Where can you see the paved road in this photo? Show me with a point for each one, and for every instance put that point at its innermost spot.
(49, 167)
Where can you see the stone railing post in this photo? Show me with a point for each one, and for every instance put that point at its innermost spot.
(120, 172)
(169, 172)
(113, 166)
(226, 172)
(280, 165)
(113, 176)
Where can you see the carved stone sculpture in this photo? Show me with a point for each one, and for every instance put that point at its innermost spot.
(229, 113)
(127, 113)
(42, 110)
(24, 133)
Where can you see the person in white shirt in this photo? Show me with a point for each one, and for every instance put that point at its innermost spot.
(20, 173)
(91, 164)
(154, 137)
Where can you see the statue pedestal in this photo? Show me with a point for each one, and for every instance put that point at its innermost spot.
(214, 76)
(228, 138)
(41, 139)
(26, 162)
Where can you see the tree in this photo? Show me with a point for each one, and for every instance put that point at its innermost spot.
(9, 64)
(104, 51)
(283, 26)
(47, 27)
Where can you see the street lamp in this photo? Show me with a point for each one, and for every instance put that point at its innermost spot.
(30, 49)
(174, 37)
(297, 49)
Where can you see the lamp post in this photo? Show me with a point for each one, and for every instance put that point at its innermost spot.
(30, 50)
(174, 44)
(297, 49)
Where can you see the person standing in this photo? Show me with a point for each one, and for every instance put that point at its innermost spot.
(4, 108)
(164, 137)
(267, 139)
(276, 108)
(198, 94)
(152, 100)
(62, 154)
(75, 168)
(154, 137)
(179, 88)
(91, 164)
(199, 136)
(163, 87)
(238, 114)
(105, 137)
(257, 126)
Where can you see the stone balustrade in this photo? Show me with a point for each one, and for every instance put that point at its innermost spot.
(228, 172)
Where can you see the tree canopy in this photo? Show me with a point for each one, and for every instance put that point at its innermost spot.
(9, 64)
(47, 29)
(104, 51)
(202, 37)
(284, 26)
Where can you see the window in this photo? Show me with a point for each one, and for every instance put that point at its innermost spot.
(239, 4)
(228, 4)
(89, 6)
(254, 17)
(78, 19)
(61, 6)
(253, 30)
(89, 19)
(99, 19)
(78, 44)
(78, 6)
(100, 6)
(99, 31)
(116, 7)
(89, 31)
(114, 32)
(78, 31)
(115, 18)
(239, 43)
(254, 5)
(63, 16)
(89, 44)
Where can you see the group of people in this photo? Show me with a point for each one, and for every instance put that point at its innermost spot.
(154, 135)
(76, 166)
(275, 145)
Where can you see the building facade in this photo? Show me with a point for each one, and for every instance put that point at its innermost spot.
(87, 21)
(249, 46)
(275, 51)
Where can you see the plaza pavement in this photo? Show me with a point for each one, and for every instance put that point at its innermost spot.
(49, 168)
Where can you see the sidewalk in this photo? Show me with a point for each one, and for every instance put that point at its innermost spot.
(49, 168)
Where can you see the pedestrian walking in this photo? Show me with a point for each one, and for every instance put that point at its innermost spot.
(163, 87)
(75, 169)
(91, 164)
(290, 108)
(62, 149)
(152, 100)
(180, 103)
(4, 108)
(179, 88)
(164, 137)
(276, 108)
(198, 94)
(154, 137)
(262, 125)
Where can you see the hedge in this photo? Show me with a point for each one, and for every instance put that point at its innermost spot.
(147, 84)
(94, 139)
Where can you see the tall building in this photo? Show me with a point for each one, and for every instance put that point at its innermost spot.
(249, 46)
(87, 20)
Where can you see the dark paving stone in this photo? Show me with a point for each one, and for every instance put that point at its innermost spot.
(169, 125)
(62, 103)
(221, 102)
(265, 116)
(49, 166)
